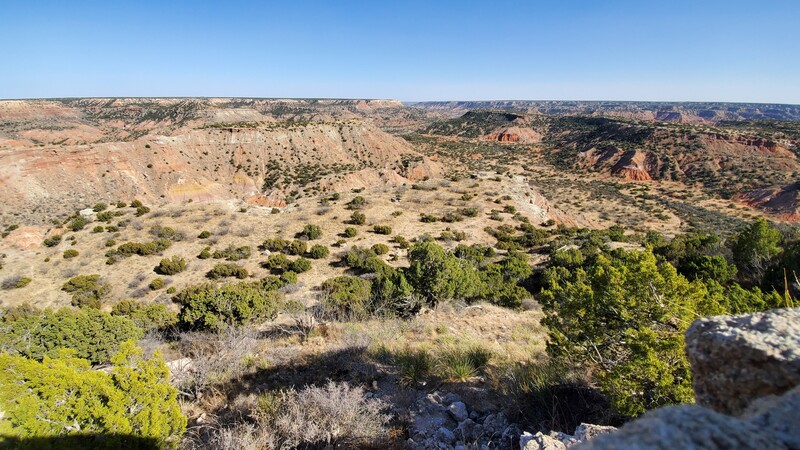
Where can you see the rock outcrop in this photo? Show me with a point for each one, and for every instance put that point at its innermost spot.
(518, 134)
(738, 359)
(695, 427)
(746, 374)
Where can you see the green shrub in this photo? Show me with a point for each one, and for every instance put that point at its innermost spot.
(108, 216)
(52, 241)
(382, 229)
(346, 297)
(70, 253)
(64, 400)
(77, 223)
(15, 282)
(357, 202)
(276, 261)
(288, 277)
(624, 316)
(99, 207)
(275, 244)
(205, 253)
(142, 210)
(156, 284)
(98, 229)
(476, 253)
(357, 256)
(318, 251)
(86, 290)
(93, 334)
(296, 247)
(207, 307)
(428, 218)
(310, 232)
(232, 253)
(223, 270)
(121, 204)
(449, 236)
(358, 218)
(299, 265)
(401, 241)
(166, 233)
(350, 232)
(147, 317)
(438, 275)
(171, 290)
(136, 204)
(380, 249)
(451, 217)
(204, 234)
(468, 212)
(144, 249)
(171, 266)
(754, 247)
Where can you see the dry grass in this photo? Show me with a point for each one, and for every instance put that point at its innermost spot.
(230, 227)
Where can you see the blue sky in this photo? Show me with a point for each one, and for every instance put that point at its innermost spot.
(684, 50)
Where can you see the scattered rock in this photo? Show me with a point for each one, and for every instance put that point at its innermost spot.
(444, 421)
(737, 359)
(459, 411)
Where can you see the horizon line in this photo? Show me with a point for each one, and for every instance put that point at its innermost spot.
(402, 101)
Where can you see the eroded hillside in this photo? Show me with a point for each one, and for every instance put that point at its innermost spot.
(58, 155)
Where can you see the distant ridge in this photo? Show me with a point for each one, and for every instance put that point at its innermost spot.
(683, 112)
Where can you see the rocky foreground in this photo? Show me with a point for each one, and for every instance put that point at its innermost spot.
(746, 373)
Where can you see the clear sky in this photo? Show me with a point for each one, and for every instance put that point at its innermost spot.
(672, 50)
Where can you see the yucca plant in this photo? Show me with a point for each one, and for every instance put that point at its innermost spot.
(463, 363)
(413, 365)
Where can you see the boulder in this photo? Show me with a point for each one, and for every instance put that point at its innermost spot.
(687, 427)
(737, 359)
